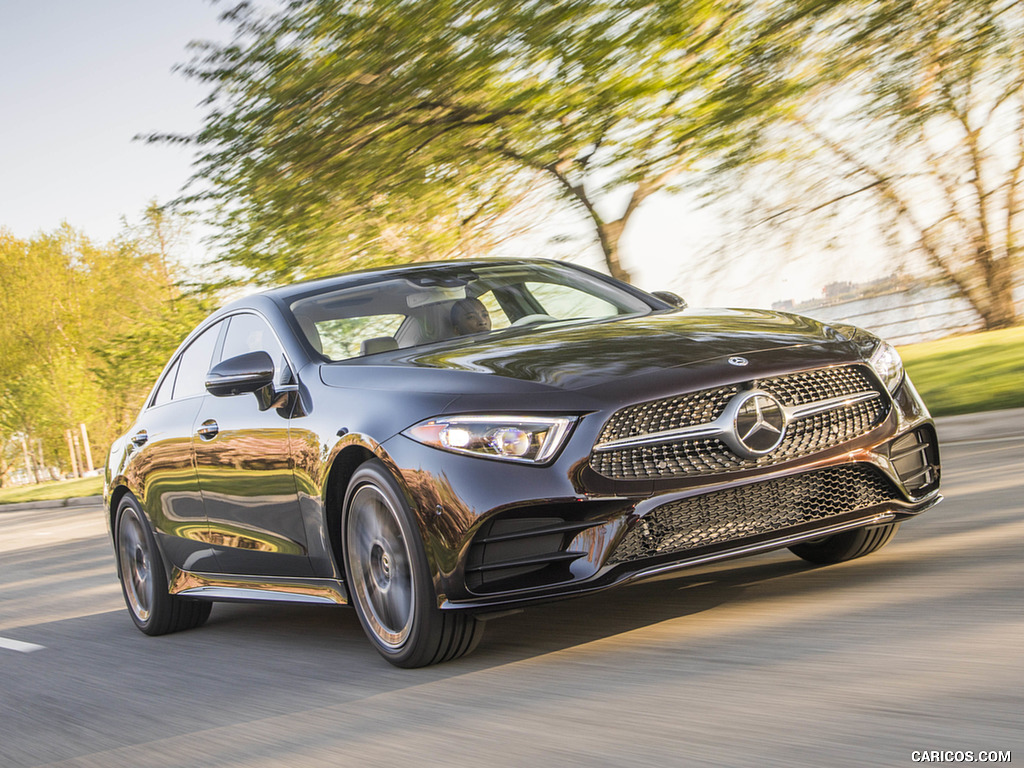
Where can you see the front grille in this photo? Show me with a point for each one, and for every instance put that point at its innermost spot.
(753, 510)
(710, 456)
(671, 413)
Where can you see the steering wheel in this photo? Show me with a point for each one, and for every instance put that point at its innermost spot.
(531, 319)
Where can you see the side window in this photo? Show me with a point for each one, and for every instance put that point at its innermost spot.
(343, 338)
(195, 363)
(163, 394)
(250, 333)
(498, 317)
(567, 303)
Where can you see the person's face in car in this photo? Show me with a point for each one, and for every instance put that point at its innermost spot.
(470, 316)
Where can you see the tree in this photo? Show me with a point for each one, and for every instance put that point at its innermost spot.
(917, 107)
(326, 118)
(86, 331)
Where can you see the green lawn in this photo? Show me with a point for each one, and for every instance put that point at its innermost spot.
(965, 374)
(62, 489)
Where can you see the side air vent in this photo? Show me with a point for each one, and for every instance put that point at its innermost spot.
(526, 550)
(533, 547)
(915, 457)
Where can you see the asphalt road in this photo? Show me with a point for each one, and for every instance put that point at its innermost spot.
(758, 662)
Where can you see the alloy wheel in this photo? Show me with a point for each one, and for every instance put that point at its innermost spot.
(381, 566)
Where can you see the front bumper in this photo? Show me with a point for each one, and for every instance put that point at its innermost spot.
(501, 535)
(621, 576)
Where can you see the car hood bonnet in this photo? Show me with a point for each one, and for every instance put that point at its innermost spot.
(578, 356)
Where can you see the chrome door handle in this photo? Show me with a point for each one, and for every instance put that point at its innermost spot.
(208, 430)
(139, 438)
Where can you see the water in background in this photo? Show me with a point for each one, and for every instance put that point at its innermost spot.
(905, 317)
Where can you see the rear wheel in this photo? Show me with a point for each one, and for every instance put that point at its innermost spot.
(846, 545)
(144, 581)
(389, 581)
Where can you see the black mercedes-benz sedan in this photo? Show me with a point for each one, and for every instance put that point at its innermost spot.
(438, 442)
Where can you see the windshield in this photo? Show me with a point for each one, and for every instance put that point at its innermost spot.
(442, 303)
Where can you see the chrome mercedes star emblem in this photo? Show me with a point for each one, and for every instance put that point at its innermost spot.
(758, 424)
(738, 360)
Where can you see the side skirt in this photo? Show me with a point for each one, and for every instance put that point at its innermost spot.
(211, 586)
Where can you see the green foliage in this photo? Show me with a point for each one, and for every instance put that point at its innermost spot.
(87, 329)
(329, 122)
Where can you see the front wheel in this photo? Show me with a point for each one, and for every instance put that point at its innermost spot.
(143, 580)
(847, 545)
(389, 581)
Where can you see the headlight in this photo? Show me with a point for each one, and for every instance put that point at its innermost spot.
(528, 439)
(887, 364)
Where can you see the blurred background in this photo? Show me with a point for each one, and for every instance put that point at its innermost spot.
(855, 161)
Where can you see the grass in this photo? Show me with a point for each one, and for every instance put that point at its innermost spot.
(61, 489)
(966, 374)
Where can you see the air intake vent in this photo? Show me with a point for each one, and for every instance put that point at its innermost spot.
(524, 551)
(915, 457)
(753, 510)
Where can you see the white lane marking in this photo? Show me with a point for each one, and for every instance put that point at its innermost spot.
(17, 645)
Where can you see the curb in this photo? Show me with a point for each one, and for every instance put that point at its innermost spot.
(73, 501)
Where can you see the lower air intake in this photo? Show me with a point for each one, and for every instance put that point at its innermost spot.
(753, 510)
(915, 457)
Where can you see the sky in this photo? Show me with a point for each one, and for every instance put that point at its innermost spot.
(81, 79)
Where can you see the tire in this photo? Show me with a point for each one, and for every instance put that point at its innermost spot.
(389, 580)
(847, 545)
(144, 580)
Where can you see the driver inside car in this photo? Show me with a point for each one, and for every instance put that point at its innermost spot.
(470, 316)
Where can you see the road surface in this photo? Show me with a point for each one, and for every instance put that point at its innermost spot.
(757, 662)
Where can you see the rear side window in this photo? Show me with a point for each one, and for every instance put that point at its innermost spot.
(163, 394)
(194, 364)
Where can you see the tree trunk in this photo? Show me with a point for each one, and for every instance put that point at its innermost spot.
(609, 235)
(999, 310)
(986, 282)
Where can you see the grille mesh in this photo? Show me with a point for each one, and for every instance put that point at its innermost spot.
(672, 413)
(752, 510)
(704, 456)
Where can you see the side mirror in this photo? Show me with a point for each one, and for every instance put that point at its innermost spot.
(674, 300)
(250, 372)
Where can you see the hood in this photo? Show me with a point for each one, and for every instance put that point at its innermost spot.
(571, 355)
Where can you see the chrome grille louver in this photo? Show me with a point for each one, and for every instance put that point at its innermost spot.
(681, 436)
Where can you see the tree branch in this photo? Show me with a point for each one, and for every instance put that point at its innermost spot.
(892, 196)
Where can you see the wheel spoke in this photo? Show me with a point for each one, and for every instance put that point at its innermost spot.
(136, 565)
(399, 603)
(380, 566)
